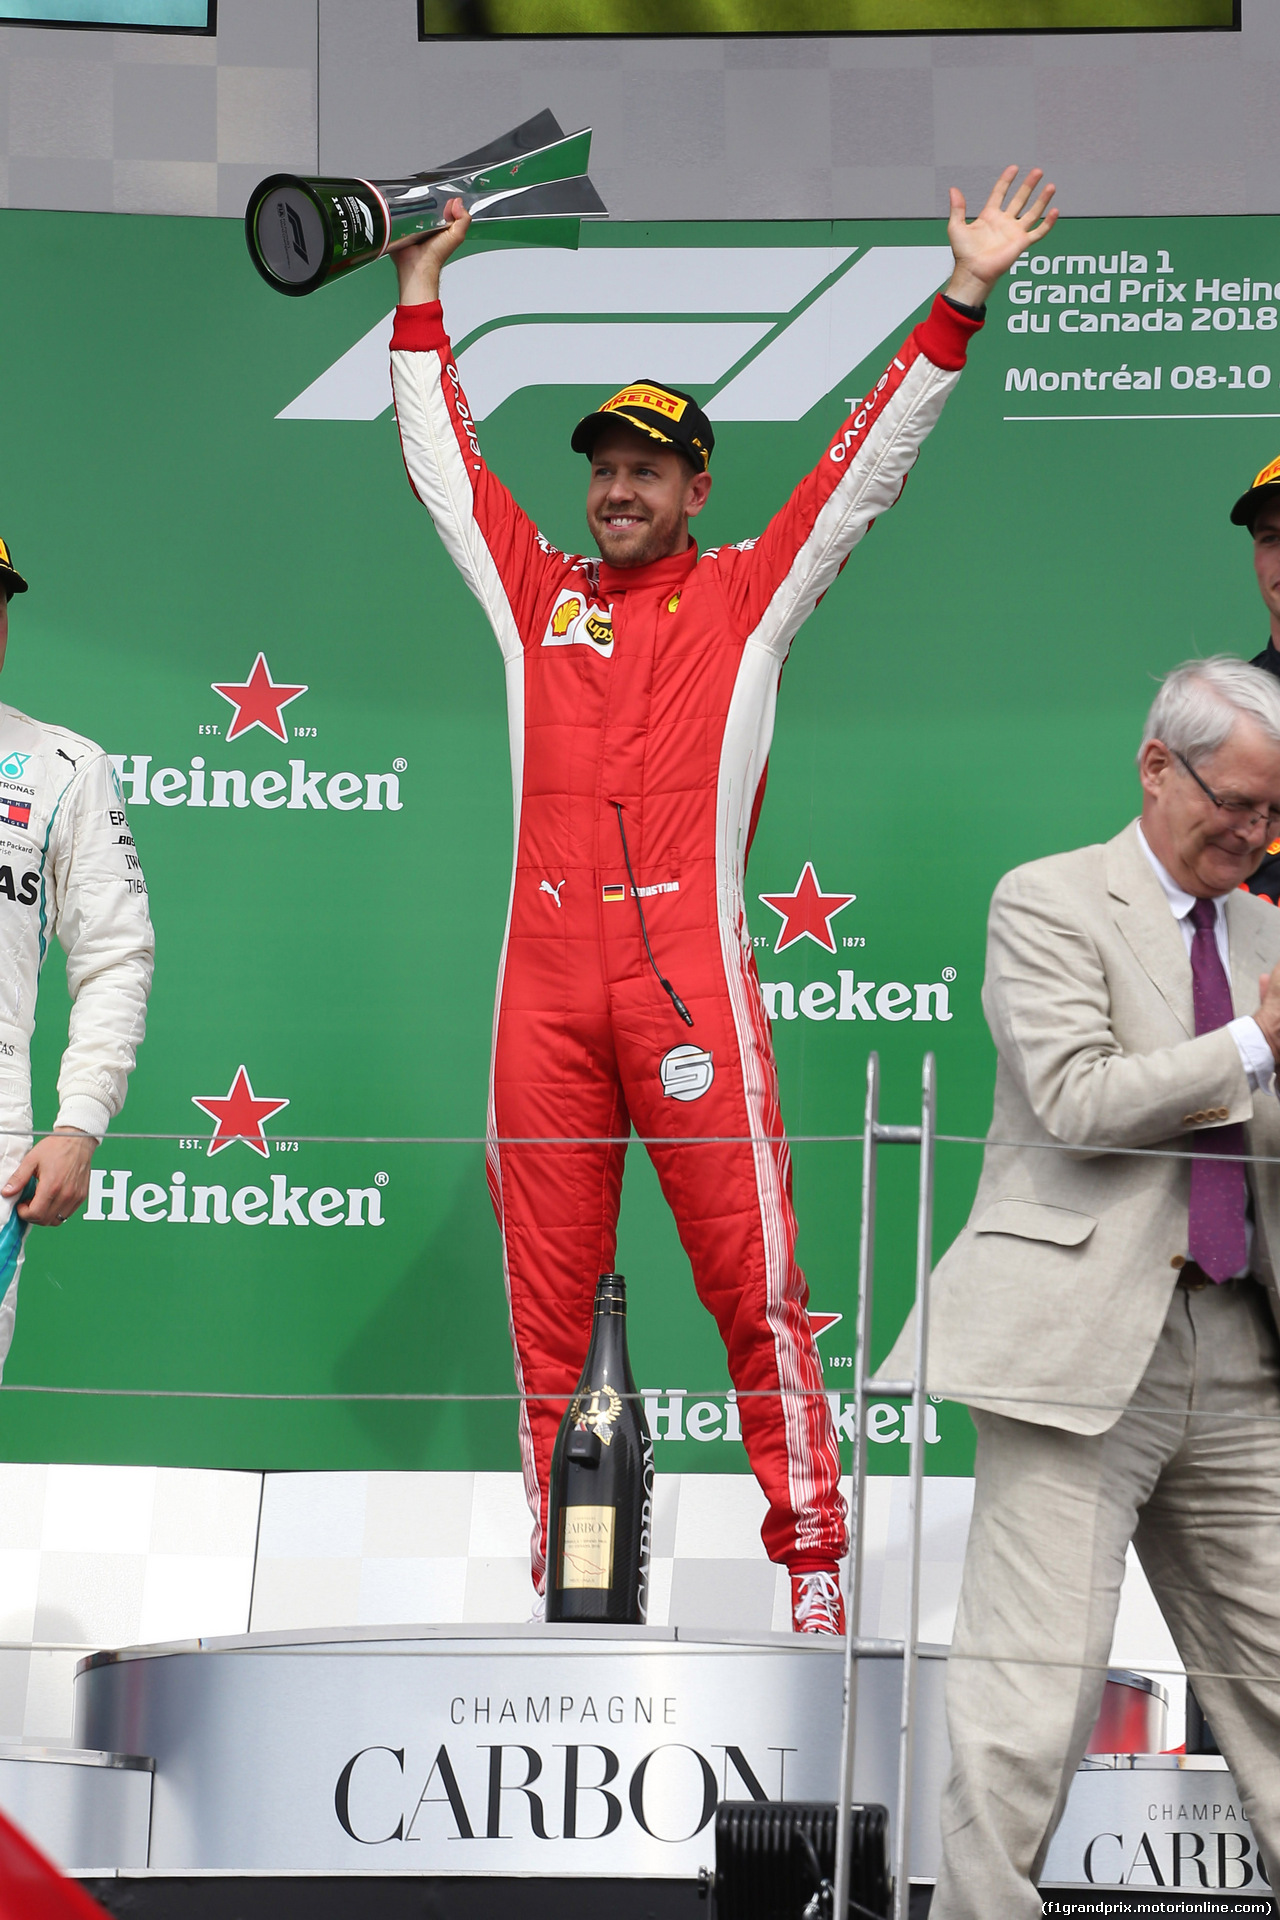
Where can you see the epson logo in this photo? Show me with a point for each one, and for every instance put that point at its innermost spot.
(149, 1203)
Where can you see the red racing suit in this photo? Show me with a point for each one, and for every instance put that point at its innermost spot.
(641, 703)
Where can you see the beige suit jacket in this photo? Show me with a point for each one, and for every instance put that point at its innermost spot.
(1049, 1304)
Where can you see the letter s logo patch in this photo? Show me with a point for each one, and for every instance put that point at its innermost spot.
(686, 1073)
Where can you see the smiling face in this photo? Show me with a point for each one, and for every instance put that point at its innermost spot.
(1207, 850)
(640, 498)
(1266, 558)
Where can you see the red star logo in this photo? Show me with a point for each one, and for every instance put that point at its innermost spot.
(239, 1115)
(258, 702)
(819, 1322)
(808, 912)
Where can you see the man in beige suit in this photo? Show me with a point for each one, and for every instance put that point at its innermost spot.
(1109, 1312)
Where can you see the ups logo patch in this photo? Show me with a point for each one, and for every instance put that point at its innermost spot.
(575, 624)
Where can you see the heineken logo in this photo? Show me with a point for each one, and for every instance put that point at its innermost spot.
(258, 700)
(115, 1195)
(239, 1115)
(807, 912)
(297, 787)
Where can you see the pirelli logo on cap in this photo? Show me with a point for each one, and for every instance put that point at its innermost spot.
(5, 561)
(1268, 473)
(656, 399)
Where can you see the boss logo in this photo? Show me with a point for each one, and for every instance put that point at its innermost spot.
(686, 1073)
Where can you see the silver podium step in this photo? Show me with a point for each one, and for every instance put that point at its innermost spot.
(547, 1749)
(84, 1810)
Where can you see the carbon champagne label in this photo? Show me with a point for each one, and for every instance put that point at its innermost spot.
(586, 1546)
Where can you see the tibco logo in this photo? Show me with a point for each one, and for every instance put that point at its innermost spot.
(111, 1197)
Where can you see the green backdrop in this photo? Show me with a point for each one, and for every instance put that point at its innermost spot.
(968, 696)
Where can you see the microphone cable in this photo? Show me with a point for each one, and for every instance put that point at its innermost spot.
(663, 982)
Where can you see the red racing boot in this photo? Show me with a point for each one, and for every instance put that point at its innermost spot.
(817, 1604)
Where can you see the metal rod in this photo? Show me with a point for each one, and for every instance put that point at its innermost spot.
(915, 1495)
(857, 1489)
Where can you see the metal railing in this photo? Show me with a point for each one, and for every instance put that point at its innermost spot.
(875, 1135)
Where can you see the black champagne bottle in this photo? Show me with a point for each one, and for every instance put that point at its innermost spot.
(601, 1508)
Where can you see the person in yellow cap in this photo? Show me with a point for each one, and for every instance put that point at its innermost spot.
(1258, 508)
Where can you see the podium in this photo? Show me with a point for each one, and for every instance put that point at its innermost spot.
(556, 1750)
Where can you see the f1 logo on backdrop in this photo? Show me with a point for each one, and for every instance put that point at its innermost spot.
(831, 308)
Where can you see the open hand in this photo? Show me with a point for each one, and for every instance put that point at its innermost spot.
(59, 1165)
(988, 246)
(1268, 1014)
(418, 262)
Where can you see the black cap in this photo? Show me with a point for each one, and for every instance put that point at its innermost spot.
(1265, 487)
(664, 413)
(11, 581)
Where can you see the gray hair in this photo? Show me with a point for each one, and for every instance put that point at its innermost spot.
(1199, 703)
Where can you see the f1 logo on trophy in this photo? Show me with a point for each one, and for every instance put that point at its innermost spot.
(530, 185)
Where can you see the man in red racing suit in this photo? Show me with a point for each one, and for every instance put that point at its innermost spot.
(641, 692)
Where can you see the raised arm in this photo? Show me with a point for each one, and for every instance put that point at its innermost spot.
(863, 470)
(490, 539)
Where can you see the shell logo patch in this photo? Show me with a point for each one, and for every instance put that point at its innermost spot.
(567, 610)
(573, 623)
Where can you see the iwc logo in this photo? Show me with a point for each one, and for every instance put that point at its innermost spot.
(686, 1073)
(596, 1412)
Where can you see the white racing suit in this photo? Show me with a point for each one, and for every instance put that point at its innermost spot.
(67, 867)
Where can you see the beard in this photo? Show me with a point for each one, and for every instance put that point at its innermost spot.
(638, 545)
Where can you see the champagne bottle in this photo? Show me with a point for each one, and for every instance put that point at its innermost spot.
(601, 1508)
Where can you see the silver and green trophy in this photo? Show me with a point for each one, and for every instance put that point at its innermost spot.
(530, 185)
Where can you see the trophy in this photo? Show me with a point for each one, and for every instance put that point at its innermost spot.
(529, 185)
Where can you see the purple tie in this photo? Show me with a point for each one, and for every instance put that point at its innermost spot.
(1216, 1238)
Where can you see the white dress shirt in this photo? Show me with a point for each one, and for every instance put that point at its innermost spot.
(1255, 1054)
